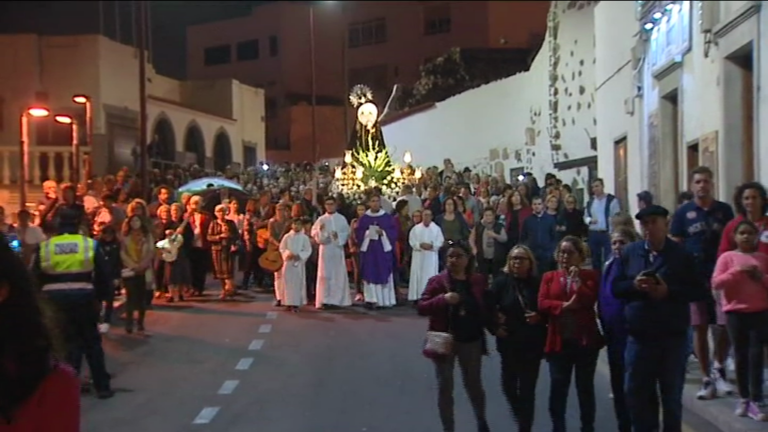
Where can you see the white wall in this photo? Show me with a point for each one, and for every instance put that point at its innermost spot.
(615, 35)
(485, 128)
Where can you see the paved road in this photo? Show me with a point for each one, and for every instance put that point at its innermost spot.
(344, 371)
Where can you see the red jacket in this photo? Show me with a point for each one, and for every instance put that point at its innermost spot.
(552, 296)
(55, 406)
(727, 242)
(433, 305)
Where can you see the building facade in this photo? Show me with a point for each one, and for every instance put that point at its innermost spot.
(674, 85)
(376, 43)
(213, 123)
(540, 121)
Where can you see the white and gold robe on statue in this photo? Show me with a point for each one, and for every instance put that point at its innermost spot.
(424, 263)
(332, 278)
(294, 280)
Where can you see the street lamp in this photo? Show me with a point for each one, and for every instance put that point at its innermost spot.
(86, 101)
(69, 120)
(32, 112)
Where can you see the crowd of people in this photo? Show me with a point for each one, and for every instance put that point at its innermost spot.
(548, 277)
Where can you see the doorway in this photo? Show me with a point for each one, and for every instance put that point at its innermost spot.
(693, 159)
(621, 185)
(669, 151)
(744, 61)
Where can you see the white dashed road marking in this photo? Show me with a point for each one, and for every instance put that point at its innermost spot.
(206, 415)
(256, 345)
(244, 363)
(265, 328)
(228, 387)
(271, 315)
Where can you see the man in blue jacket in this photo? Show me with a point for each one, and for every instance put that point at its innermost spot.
(655, 280)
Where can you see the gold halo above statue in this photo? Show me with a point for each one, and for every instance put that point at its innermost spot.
(360, 94)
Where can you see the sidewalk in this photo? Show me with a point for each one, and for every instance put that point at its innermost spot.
(717, 411)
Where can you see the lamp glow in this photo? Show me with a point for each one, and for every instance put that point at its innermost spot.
(398, 174)
(418, 173)
(80, 99)
(359, 173)
(337, 173)
(265, 167)
(63, 119)
(348, 156)
(407, 157)
(39, 112)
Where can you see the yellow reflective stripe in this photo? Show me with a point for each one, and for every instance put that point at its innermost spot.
(88, 253)
(45, 258)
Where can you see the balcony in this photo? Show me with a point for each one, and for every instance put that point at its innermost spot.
(45, 163)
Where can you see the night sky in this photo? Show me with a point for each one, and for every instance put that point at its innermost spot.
(169, 21)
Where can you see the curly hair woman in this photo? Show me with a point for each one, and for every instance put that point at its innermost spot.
(37, 393)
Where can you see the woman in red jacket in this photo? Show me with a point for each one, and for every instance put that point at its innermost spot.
(567, 296)
(37, 394)
(456, 302)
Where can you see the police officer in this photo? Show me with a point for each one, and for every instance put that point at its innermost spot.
(70, 277)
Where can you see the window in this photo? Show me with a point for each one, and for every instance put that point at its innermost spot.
(274, 48)
(249, 156)
(248, 50)
(376, 77)
(367, 33)
(279, 144)
(620, 170)
(270, 107)
(218, 55)
(437, 19)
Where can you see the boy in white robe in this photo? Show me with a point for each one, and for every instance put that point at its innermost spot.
(295, 248)
(425, 239)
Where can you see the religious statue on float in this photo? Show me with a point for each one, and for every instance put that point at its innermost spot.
(367, 162)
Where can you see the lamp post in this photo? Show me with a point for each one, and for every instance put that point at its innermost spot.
(69, 120)
(86, 101)
(34, 112)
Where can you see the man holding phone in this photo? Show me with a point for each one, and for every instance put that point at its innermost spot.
(655, 280)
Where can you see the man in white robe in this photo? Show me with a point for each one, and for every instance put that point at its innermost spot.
(425, 239)
(331, 232)
(295, 249)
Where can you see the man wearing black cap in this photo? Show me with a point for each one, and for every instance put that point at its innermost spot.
(69, 273)
(655, 280)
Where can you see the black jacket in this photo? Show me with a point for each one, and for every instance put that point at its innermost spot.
(507, 292)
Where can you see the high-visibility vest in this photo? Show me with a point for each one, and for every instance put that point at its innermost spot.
(68, 262)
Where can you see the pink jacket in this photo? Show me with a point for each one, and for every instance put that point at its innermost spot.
(741, 293)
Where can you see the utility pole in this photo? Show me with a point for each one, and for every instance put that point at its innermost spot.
(142, 46)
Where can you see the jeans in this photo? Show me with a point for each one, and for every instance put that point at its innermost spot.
(109, 305)
(616, 344)
(79, 318)
(519, 373)
(470, 358)
(200, 260)
(657, 362)
(749, 333)
(599, 243)
(572, 358)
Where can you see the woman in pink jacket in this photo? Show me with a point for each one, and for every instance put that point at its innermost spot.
(742, 276)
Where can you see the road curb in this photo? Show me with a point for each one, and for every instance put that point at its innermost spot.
(719, 412)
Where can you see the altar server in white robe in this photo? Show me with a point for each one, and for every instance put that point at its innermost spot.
(295, 248)
(331, 232)
(425, 239)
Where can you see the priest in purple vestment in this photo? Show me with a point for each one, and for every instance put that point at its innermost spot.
(376, 233)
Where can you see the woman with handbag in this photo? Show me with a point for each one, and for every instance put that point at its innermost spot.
(567, 298)
(521, 334)
(458, 309)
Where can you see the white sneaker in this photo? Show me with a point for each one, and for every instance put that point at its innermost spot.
(104, 328)
(722, 386)
(707, 390)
